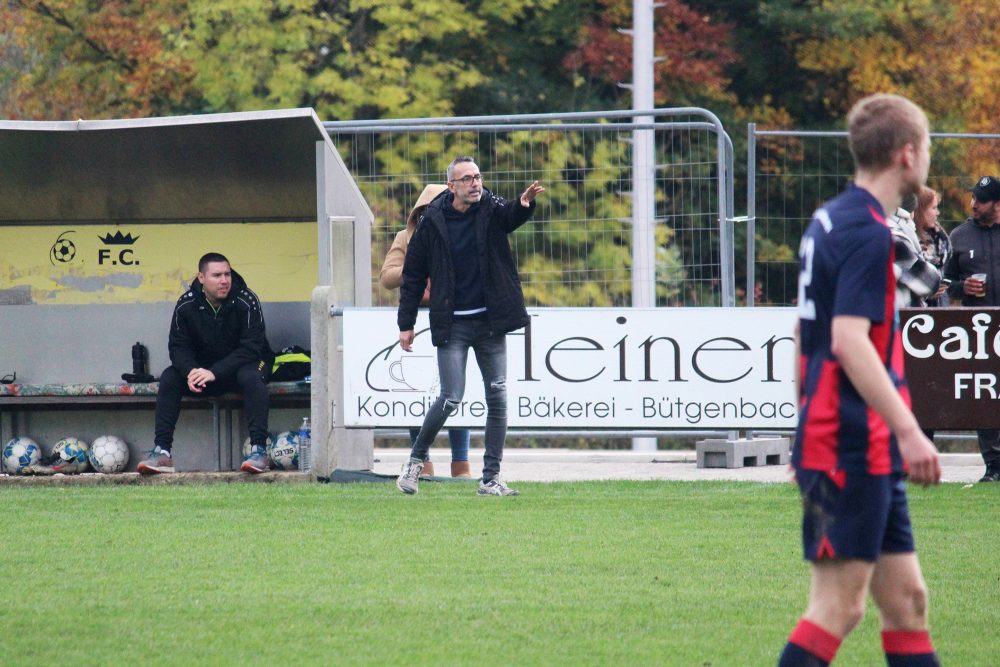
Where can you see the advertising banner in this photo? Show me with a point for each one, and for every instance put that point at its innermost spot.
(952, 360)
(601, 368)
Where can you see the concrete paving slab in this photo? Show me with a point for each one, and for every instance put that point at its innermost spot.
(558, 465)
(519, 465)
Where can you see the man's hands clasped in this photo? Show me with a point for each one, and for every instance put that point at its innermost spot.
(199, 378)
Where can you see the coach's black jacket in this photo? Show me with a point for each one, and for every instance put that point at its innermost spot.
(429, 256)
(220, 341)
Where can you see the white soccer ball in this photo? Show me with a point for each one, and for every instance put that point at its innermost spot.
(72, 455)
(108, 454)
(19, 453)
(267, 445)
(284, 453)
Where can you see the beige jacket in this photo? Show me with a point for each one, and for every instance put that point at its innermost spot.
(391, 275)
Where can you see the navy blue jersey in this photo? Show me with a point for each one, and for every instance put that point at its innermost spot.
(846, 268)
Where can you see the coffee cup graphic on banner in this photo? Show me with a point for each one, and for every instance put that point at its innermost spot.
(413, 373)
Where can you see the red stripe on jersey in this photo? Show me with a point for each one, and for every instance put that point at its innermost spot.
(881, 333)
(886, 340)
(896, 362)
(822, 427)
(879, 460)
(803, 370)
(878, 216)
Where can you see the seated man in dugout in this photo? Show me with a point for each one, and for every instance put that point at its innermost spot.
(217, 344)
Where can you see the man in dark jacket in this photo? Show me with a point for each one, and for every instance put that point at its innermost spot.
(974, 268)
(461, 245)
(217, 344)
(974, 265)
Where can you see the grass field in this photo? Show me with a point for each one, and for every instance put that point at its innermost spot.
(584, 573)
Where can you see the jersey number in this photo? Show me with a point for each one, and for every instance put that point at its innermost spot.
(807, 309)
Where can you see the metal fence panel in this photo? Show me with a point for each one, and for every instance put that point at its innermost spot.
(790, 173)
(577, 249)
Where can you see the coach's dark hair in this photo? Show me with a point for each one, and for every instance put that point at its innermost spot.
(210, 257)
(457, 161)
(879, 125)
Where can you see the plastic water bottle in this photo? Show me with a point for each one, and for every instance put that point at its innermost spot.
(305, 445)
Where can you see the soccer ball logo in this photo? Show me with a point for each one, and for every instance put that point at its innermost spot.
(63, 250)
(284, 453)
(108, 454)
(20, 453)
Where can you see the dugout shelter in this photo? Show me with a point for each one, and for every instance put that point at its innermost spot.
(101, 226)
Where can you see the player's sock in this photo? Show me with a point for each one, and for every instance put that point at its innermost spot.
(809, 646)
(906, 648)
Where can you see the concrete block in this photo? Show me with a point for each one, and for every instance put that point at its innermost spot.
(718, 453)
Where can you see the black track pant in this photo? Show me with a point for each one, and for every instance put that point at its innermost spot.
(247, 381)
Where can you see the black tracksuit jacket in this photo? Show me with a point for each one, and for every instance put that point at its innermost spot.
(220, 341)
(429, 256)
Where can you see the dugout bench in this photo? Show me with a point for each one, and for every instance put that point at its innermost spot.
(19, 398)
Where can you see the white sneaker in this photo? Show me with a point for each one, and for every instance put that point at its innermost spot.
(409, 478)
(495, 487)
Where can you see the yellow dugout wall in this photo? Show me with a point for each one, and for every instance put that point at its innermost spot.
(78, 264)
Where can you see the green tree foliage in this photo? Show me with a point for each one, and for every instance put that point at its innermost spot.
(358, 59)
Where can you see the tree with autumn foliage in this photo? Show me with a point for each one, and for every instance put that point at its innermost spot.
(68, 59)
(693, 51)
(357, 59)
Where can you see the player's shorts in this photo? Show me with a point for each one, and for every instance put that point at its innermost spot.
(855, 515)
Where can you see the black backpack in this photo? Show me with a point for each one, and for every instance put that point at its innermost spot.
(292, 363)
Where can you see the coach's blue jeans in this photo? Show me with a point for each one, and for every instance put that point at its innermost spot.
(491, 355)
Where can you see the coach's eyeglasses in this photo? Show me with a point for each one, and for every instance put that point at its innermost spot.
(469, 179)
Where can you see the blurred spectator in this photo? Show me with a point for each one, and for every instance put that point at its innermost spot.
(916, 278)
(934, 240)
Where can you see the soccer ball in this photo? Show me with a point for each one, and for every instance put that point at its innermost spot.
(267, 445)
(108, 454)
(20, 453)
(284, 453)
(72, 455)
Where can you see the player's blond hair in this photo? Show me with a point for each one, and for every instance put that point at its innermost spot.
(879, 125)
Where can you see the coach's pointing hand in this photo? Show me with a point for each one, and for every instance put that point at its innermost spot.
(529, 195)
